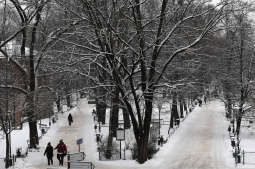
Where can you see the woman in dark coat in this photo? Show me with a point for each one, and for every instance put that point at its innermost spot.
(49, 153)
(61, 151)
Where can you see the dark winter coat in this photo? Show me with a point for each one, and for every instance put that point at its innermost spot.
(61, 148)
(70, 118)
(49, 151)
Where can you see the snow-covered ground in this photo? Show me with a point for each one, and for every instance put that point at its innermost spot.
(199, 143)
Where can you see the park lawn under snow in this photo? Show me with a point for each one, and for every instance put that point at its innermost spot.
(168, 157)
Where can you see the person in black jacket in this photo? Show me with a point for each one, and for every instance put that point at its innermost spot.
(49, 153)
(70, 119)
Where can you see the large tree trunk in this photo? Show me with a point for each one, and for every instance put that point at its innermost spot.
(7, 153)
(143, 150)
(144, 136)
(114, 120)
(115, 112)
(33, 135)
(100, 94)
(34, 140)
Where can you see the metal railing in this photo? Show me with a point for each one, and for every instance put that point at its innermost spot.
(248, 157)
(106, 154)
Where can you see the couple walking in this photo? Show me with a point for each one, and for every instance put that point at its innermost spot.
(61, 152)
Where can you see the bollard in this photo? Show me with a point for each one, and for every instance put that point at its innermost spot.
(243, 157)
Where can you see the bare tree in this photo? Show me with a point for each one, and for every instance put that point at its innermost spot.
(146, 41)
(35, 42)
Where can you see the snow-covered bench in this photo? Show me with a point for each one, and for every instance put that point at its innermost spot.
(80, 165)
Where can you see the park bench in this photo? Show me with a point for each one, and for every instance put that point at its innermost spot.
(80, 165)
(75, 161)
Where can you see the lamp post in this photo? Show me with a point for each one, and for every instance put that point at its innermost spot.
(8, 117)
(159, 111)
(10, 129)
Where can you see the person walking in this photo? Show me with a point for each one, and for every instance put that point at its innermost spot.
(70, 119)
(200, 102)
(49, 153)
(61, 151)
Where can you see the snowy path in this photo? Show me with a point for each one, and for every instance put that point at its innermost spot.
(202, 145)
(198, 144)
(82, 125)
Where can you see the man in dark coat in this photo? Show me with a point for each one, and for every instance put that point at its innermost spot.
(70, 119)
(61, 152)
(49, 153)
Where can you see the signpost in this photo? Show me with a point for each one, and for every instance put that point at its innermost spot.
(120, 136)
(79, 142)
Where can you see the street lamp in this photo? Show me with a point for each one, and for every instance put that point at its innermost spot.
(10, 129)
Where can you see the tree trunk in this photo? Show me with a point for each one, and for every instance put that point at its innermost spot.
(238, 125)
(229, 107)
(174, 111)
(34, 140)
(144, 136)
(115, 112)
(181, 107)
(143, 150)
(68, 100)
(58, 103)
(185, 106)
(7, 153)
(126, 118)
(101, 111)
(33, 135)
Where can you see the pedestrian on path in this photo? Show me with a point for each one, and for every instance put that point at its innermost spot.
(200, 102)
(61, 152)
(205, 99)
(49, 153)
(70, 119)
